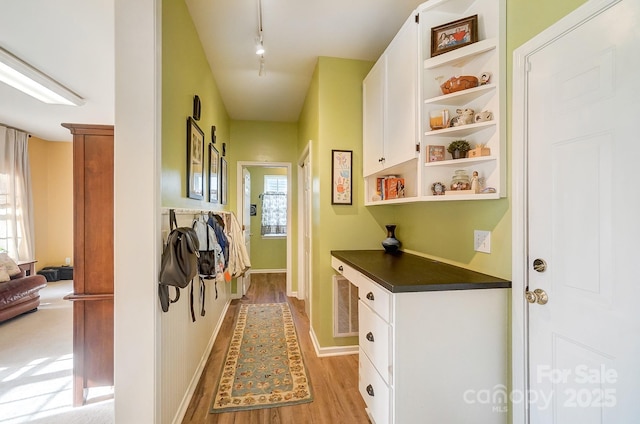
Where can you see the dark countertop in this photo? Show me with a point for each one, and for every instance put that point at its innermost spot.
(403, 272)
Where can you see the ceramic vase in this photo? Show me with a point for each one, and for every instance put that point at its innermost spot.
(391, 244)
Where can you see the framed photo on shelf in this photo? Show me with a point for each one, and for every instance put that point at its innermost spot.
(341, 170)
(195, 160)
(224, 181)
(214, 186)
(454, 35)
(435, 153)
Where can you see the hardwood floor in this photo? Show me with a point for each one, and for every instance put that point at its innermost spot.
(334, 380)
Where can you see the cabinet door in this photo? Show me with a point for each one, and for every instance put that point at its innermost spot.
(373, 118)
(400, 137)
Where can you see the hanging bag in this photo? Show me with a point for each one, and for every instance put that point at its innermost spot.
(179, 264)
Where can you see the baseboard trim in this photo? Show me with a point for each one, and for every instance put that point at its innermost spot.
(268, 271)
(332, 350)
(182, 409)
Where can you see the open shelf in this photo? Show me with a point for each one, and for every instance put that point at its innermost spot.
(463, 97)
(462, 130)
(461, 56)
(461, 162)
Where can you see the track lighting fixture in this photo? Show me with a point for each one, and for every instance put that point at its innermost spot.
(260, 42)
(259, 45)
(261, 71)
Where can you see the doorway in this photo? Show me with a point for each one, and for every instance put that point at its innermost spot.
(244, 214)
(574, 315)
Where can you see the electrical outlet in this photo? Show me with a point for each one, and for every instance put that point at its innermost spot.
(482, 241)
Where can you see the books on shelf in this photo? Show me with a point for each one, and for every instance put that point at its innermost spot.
(390, 187)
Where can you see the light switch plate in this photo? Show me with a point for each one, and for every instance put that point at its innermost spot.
(482, 241)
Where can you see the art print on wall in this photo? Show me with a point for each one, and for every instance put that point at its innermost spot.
(195, 160)
(214, 188)
(341, 170)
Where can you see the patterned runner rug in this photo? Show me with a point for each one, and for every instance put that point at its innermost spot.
(264, 366)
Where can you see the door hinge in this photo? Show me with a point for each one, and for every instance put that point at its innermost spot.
(418, 147)
(417, 18)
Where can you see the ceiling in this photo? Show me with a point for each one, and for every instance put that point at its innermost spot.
(72, 42)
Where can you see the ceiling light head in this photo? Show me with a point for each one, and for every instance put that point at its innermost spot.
(259, 45)
(261, 71)
(24, 77)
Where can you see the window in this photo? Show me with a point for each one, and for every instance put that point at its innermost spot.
(274, 206)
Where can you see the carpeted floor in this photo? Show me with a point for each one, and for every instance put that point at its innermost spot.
(36, 362)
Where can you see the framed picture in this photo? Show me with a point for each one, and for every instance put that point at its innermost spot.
(454, 35)
(223, 181)
(435, 153)
(195, 160)
(341, 170)
(214, 160)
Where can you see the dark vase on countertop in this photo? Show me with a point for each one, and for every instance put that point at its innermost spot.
(391, 244)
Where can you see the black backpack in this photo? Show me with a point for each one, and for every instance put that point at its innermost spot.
(179, 264)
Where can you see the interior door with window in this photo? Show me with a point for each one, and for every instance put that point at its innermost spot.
(583, 228)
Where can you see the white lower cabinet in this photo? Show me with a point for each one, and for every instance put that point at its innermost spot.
(374, 390)
(432, 356)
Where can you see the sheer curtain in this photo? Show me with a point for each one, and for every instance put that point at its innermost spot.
(16, 205)
(274, 214)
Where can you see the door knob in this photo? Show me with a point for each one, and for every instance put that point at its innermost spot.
(369, 336)
(538, 296)
(370, 296)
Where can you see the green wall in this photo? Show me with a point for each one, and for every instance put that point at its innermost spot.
(267, 253)
(260, 141)
(185, 73)
(331, 118)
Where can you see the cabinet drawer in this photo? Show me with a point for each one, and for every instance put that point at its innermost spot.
(374, 338)
(375, 297)
(347, 272)
(374, 391)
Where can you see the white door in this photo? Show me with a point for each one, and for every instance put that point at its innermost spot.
(306, 222)
(583, 217)
(245, 281)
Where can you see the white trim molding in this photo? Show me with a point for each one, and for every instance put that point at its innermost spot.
(332, 350)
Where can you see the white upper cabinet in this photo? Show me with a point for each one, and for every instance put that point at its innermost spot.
(417, 74)
(373, 118)
(390, 95)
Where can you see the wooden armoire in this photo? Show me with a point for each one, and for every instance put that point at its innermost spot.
(92, 258)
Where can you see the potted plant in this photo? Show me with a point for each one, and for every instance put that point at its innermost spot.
(459, 149)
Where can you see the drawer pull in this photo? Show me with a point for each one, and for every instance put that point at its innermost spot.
(370, 390)
(369, 336)
(370, 296)
(340, 268)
